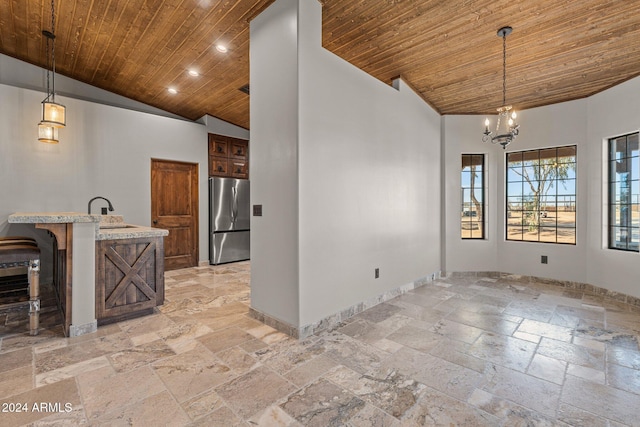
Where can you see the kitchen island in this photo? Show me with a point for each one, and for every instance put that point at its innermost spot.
(81, 244)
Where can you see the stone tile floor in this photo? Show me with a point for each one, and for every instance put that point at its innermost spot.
(456, 352)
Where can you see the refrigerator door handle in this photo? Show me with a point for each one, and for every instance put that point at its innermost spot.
(234, 208)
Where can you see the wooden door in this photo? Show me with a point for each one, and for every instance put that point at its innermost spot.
(174, 207)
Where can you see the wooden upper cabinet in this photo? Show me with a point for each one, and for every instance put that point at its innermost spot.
(239, 149)
(228, 156)
(218, 145)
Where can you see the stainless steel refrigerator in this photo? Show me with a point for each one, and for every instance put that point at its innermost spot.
(229, 218)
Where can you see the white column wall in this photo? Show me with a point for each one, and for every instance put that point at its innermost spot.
(347, 169)
(369, 176)
(274, 162)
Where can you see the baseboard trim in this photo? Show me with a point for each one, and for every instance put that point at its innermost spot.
(335, 319)
(578, 286)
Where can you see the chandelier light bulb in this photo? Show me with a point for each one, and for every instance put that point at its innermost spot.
(514, 115)
(487, 122)
(510, 122)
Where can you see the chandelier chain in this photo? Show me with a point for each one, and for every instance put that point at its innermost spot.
(504, 69)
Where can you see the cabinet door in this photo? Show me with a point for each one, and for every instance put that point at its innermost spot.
(218, 166)
(238, 149)
(218, 145)
(129, 278)
(239, 169)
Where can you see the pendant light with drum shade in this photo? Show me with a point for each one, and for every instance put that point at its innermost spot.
(53, 113)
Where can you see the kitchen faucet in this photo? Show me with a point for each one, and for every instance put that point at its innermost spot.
(99, 197)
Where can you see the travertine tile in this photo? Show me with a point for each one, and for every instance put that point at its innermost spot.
(388, 390)
(463, 351)
(416, 338)
(15, 359)
(572, 353)
(371, 416)
(623, 378)
(548, 368)
(311, 370)
(504, 351)
(140, 355)
(323, 404)
(579, 417)
(438, 409)
(225, 338)
(220, 417)
(444, 376)
(608, 402)
(539, 395)
(202, 404)
(84, 350)
(456, 331)
(71, 371)
(41, 402)
(274, 416)
(159, 409)
(248, 394)
(16, 381)
(543, 329)
(114, 391)
(499, 324)
(188, 374)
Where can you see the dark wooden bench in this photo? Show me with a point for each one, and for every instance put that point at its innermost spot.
(20, 277)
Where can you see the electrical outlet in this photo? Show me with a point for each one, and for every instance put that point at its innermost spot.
(377, 273)
(544, 259)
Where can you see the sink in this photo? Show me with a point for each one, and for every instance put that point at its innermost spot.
(115, 225)
(112, 221)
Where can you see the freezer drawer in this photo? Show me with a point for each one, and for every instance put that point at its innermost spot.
(229, 247)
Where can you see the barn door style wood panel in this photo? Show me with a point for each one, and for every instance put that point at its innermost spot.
(174, 207)
(129, 278)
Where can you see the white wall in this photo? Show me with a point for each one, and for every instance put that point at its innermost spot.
(103, 151)
(360, 174)
(273, 162)
(611, 113)
(106, 149)
(586, 123)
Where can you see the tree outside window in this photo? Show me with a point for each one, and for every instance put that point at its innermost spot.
(541, 195)
(472, 212)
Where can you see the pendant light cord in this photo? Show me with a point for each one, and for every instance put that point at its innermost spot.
(53, 51)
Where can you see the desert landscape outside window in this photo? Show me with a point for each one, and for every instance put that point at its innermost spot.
(624, 193)
(541, 195)
(472, 188)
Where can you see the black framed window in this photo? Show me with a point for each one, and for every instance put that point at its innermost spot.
(472, 212)
(541, 195)
(624, 193)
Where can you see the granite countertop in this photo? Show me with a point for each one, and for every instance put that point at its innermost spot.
(51, 217)
(129, 231)
(108, 227)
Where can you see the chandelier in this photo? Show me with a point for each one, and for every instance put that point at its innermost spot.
(53, 114)
(506, 127)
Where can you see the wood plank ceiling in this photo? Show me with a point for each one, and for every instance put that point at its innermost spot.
(447, 50)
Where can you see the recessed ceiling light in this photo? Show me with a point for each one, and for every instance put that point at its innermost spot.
(221, 48)
(172, 91)
(193, 73)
